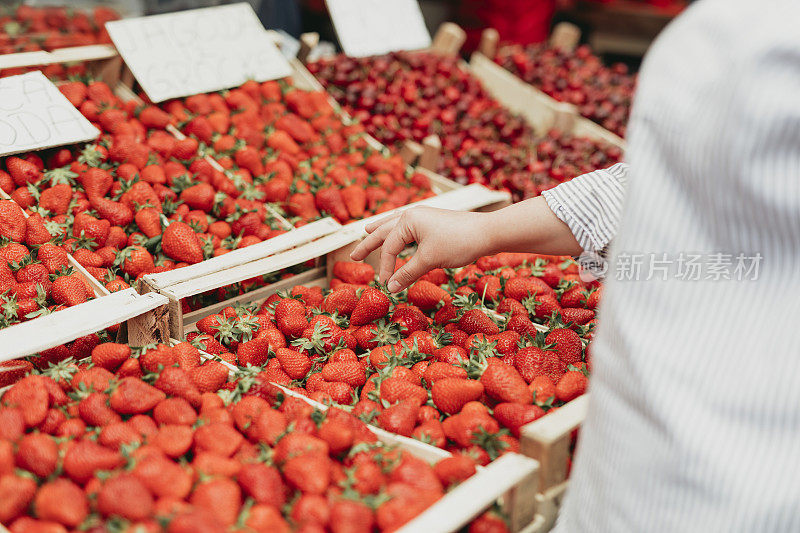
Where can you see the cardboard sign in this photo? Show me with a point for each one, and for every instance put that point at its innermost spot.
(197, 51)
(374, 27)
(34, 115)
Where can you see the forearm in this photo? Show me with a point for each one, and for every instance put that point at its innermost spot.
(529, 226)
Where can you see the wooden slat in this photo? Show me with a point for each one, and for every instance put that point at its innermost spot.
(267, 265)
(98, 288)
(462, 504)
(63, 326)
(548, 439)
(431, 153)
(242, 256)
(92, 52)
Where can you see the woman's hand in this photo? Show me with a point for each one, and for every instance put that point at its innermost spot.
(444, 239)
(456, 238)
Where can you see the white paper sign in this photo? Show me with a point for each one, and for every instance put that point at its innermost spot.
(34, 115)
(374, 27)
(197, 51)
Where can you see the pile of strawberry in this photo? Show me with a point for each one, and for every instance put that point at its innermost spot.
(295, 150)
(457, 360)
(35, 275)
(602, 94)
(27, 28)
(140, 201)
(411, 95)
(141, 439)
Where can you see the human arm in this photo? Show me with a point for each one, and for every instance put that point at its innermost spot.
(557, 223)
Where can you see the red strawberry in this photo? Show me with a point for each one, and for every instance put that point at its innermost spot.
(352, 272)
(399, 418)
(263, 483)
(210, 376)
(84, 458)
(22, 171)
(355, 200)
(16, 493)
(290, 317)
(543, 389)
(426, 295)
(110, 355)
(69, 290)
(63, 502)
(309, 473)
(567, 344)
(502, 382)
(126, 497)
(134, 396)
(571, 385)
(12, 221)
(181, 243)
(148, 220)
(454, 469)
(476, 321)
(515, 415)
(450, 394)
(220, 496)
(75, 92)
(294, 363)
(37, 453)
(30, 396)
(372, 305)
(532, 361)
(178, 382)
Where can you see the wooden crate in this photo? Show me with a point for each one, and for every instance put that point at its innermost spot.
(144, 316)
(548, 441)
(540, 110)
(102, 60)
(512, 479)
(285, 251)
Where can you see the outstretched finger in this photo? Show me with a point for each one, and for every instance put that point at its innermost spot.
(374, 240)
(372, 226)
(395, 242)
(407, 274)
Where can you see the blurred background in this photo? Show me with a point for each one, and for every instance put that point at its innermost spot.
(617, 30)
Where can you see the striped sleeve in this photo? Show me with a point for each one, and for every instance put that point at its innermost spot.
(591, 205)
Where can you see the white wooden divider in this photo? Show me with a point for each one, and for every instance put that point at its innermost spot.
(281, 243)
(68, 324)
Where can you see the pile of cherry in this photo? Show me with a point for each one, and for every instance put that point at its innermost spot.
(602, 94)
(411, 95)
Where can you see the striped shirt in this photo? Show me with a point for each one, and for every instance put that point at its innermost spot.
(694, 421)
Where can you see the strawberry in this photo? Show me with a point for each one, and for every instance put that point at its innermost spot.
(152, 117)
(350, 372)
(576, 316)
(13, 371)
(84, 458)
(210, 376)
(254, 352)
(94, 410)
(451, 394)
(502, 382)
(158, 358)
(126, 497)
(372, 305)
(571, 385)
(117, 213)
(22, 171)
(355, 200)
(455, 469)
(180, 242)
(543, 389)
(532, 361)
(263, 483)
(476, 321)
(173, 440)
(37, 453)
(74, 91)
(96, 182)
(294, 363)
(16, 493)
(342, 300)
(174, 411)
(438, 370)
(353, 272)
(290, 317)
(134, 396)
(329, 200)
(69, 290)
(30, 396)
(309, 473)
(136, 261)
(163, 477)
(426, 295)
(12, 221)
(148, 220)
(178, 382)
(567, 344)
(200, 196)
(221, 496)
(351, 516)
(515, 415)
(399, 418)
(63, 502)
(110, 355)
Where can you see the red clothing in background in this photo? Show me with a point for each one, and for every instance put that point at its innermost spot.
(519, 21)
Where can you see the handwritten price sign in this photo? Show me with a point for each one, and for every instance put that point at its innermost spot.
(34, 115)
(197, 51)
(375, 27)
